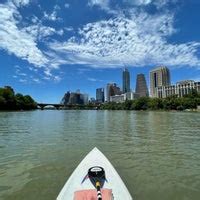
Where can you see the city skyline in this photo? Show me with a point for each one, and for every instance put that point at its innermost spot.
(49, 48)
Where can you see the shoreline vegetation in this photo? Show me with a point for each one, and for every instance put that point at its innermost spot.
(189, 102)
(9, 101)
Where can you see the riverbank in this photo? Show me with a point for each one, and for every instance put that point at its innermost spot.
(9, 101)
(189, 102)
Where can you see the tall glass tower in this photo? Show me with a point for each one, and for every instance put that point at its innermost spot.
(126, 81)
(100, 95)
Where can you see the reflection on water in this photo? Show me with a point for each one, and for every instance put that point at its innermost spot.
(157, 154)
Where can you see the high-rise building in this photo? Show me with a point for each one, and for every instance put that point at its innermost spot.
(85, 98)
(141, 86)
(125, 81)
(100, 95)
(111, 90)
(76, 98)
(71, 98)
(181, 89)
(65, 99)
(159, 77)
(123, 97)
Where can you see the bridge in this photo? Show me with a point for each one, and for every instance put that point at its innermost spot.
(70, 106)
(42, 105)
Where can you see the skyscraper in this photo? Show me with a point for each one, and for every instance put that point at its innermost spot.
(111, 90)
(65, 99)
(126, 81)
(74, 98)
(159, 77)
(141, 86)
(100, 95)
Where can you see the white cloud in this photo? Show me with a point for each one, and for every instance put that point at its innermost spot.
(21, 73)
(69, 29)
(19, 3)
(51, 17)
(94, 79)
(54, 15)
(139, 2)
(23, 81)
(137, 41)
(17, 41)
(104, 4)
(23, 42)
(36, 80)
(66, 5)
(57, 78)
(60, 32)
(56, 7)
(33, 69)
(162, 3)
(46, 78)
(39, 31)
(157, 3)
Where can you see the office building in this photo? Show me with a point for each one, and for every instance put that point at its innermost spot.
(165, 91)
(92, 100)
(118, 98)
(111, 90)
(76, 98)
(123, 97)
(159, 77)
(181, 89)
(125, 81)
(185, 87)
(85, 98)
(100, 95)
(141, 86)
(72, 98)
(65, 99)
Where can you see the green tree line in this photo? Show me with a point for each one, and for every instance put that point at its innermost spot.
(11, 101)
(190, 101)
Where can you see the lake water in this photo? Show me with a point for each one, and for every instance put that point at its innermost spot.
(157, 154)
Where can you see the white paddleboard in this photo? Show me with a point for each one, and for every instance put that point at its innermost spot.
(94, 158)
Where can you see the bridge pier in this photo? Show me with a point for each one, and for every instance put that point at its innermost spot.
(57, 107)
(42, 107)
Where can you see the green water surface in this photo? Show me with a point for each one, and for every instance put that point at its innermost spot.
(157, 154)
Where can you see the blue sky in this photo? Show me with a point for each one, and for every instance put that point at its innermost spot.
(50, 47)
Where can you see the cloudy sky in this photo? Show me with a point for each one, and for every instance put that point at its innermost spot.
(50, 47)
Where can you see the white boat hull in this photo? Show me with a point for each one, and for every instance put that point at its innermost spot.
(94, 158)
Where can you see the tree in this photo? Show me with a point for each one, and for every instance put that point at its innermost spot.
(127, 104)
(2, 103)
(10, 101)
(20, 104)
(29, 103)
(8, 94)
(192, 94)
(140, 104)
(189, 103)
(155, 104)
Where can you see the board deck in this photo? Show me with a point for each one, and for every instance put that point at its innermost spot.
(94, 158)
